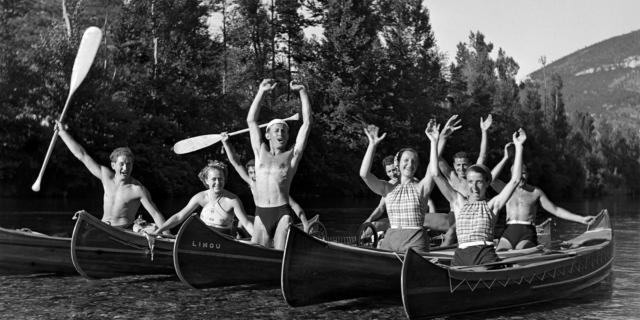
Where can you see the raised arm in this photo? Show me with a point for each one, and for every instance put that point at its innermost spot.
(145, 199)
(433, 169)
(450, 126)
(233, 159)
(297, 209)
(376, 185)
(501, 199)
(78, 151)
(433, 132)
(431, 205)
(305, 129)
(484, 127)
(498, 184)
(561, 212)
(254, 111)
(181, 215)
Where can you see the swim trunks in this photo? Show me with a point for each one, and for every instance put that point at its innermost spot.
(270, 217)
(474, 255)
(515, 233)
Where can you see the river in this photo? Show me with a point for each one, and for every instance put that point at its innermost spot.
(165, 297)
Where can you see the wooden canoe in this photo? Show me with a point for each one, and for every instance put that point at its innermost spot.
(99, 250)
(316, 271)
(432, 289)
(27, 252)
(205, 258)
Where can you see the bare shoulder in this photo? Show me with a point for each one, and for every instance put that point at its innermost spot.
(230, 195)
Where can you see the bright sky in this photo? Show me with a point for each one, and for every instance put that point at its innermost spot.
(528, 29)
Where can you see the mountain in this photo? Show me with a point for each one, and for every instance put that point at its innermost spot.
(602, 79)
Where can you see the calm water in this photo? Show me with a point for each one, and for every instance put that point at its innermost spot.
(153, 297)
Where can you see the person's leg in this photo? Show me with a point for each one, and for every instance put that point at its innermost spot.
(523, 244)
(280, 237)
(504, 245)
(260, 235)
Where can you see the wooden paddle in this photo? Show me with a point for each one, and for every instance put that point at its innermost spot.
(84, 59)
(203, 141)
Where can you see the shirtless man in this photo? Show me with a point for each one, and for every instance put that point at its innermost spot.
(122, 193)
(248, 174)
(522, 207)
(275, 167)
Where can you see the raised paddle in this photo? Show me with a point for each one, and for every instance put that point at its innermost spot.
(203, 141)
(84, 59)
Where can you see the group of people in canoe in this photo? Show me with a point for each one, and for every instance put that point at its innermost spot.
(405, 198)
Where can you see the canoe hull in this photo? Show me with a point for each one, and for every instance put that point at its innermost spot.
(204, 258)
(24, 252)
(101, 251)
(430, 289)
(316, 271)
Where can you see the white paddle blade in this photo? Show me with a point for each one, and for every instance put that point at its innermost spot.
(84, 59)
(195, 143)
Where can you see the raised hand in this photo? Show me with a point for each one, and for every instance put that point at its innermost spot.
(451, 126)
(485, 124)
(224, 137)
(59, 126)
(506, 149)
(519, 137)
(372, 134)
(268, 84)
(296, 85)
(433, 130)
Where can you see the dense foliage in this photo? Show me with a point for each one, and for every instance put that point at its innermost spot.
(168, 70)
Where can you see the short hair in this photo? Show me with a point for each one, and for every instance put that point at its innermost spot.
(122, 151)
(250, 163)
(212, 165)
(462, 155)
(481, 169)
(403, 150)
(388, 160)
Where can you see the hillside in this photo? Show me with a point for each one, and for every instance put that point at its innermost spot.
(603, 79)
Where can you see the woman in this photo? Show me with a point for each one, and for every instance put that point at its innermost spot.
(406, 200)
(219, 206)
(476, 218)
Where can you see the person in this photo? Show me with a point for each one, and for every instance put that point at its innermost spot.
(461, 162)
(391, 169)
(248, 174)
(522, 207)
(275, 167)
(122, 193)
(476, 219)
(405, 200)
(219, 206)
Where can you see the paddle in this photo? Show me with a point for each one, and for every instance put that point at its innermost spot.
(84, 59)
(203, 141)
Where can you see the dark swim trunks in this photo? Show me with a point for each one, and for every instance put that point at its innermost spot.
(474, 255)
(270, 217)
(515, 233)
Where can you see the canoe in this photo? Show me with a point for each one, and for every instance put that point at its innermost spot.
(99, 250)
(23, 251)
(205, 258)
(432, 289)
(316, 271)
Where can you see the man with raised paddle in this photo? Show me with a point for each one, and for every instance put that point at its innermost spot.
(275, 167)
(122, 193)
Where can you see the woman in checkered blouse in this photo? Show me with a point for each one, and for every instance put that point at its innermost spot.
(477, 216)
(406, 201)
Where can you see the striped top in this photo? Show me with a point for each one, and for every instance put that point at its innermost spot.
(475, 222)
(405, 206)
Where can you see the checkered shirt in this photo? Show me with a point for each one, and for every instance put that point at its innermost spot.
(475, 222)
(405, 207)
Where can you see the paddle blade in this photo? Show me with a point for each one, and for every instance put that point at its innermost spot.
(195, 143)
(36, 185)
(86, 53)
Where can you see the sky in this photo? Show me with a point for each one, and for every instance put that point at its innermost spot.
(529, 29)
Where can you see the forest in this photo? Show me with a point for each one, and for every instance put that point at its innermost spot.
(172, 69)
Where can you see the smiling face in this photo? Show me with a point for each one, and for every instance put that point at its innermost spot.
(278, 135)
(408, 164)
(460, 165)
(251, 171)
(122, 166)
(477, 186)
(215, 180)
(391, 171)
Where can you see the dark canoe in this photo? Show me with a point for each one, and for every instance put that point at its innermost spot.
(27, 252)
(101, 251)
(430, 289)
(205, 258)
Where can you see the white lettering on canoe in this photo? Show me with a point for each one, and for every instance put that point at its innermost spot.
(205, 245)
